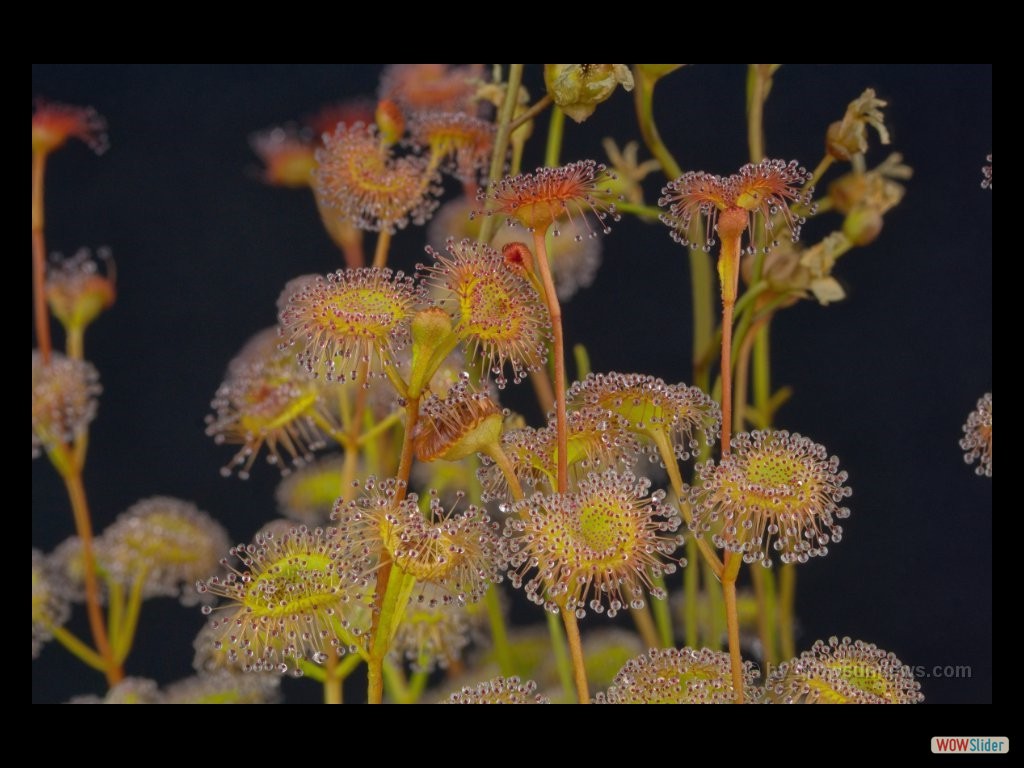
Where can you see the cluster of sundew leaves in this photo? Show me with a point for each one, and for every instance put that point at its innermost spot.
(53, 124)
(575, 192)
(675, 415)
(759, 186)
(220, 687)
(775, 493)
(361, 179)
(50, 600)
(307, 495)
(441, 87)
(782, 209)
(575, 256)
(288, 599)
(384, 177)
(66, 560)
(768, 188)
(350, 318)
(359, 176)
(164, 543)
(843, 672)
(453, 554)
(496, 310)
(977, 440)
(456, 425)
(678, 676)
(435, 631)
(613, 420)
(500, 690)
(598, 549)
(462, 144)
(596, 441)
(64, 393)
(80, 286)
(331, 327)
(606, 648)
(267, 400)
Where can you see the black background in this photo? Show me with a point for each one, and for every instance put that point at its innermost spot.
(884, 379)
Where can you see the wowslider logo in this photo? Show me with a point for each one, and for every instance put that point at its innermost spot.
(970, 745)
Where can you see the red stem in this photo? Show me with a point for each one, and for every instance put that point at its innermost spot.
(555, 311)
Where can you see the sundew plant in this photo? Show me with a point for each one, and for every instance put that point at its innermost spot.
(444, 484)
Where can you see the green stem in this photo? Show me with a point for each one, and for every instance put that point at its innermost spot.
(741, 363)
(643, 95)
(397, 685)
(758, 80)
(645, 626)
(581, 359)
(72, 476)
(311, 671)
(764, 591)
(579, 667)
(762, 367)
(716, 625)
(558, 648)
(75, 342)
(76, 647)
(332, 682)
(819, 171)
(499, 632)
(702, 299)
(691, 590)
(420, 377)
(499, 457)
(539, 106)
(397, 592)
(396, 380)
(126, 635)
(556, 130)
(732, 621)
(643, 211)
(501, 139)
(347, 664)
(728, 267)
(542, 389)
(350, 463)
(380, 427)
(668, 458)
(115, 612)
(515, 165)
(385, 622)
(418, 683)
(558, 354)
(380, 253)
(787, 604)
(663, 614)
